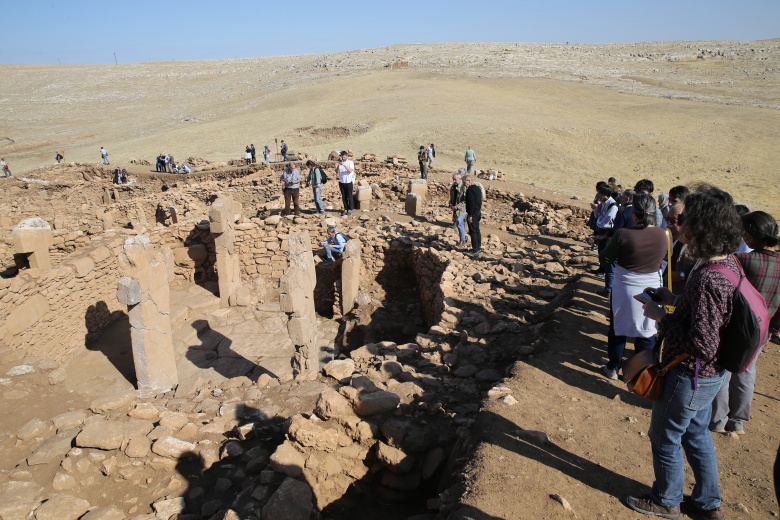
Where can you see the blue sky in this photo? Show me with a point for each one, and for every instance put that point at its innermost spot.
(86, 31)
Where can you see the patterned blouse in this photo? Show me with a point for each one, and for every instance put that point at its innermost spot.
(694, 327)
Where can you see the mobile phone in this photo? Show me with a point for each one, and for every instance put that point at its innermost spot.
(643, 297)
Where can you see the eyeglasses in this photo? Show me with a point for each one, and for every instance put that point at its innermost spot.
(679, 220)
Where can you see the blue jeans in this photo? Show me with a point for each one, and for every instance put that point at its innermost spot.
(317, 190)
(609, 275)
(329, 251)
(460, 222)
(679, 421)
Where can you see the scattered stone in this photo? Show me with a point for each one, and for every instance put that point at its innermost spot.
(62, 507)
(375, 403)
(172, 447)
(109, 435)
(167, 507)
(21, 370)
(34, 428)
(53, 448)
(292, 501)
(104, 513)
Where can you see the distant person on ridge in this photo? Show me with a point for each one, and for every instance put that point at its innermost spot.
(254, 153)
(431, 155)
(267, 154)
(458, 205)
(5, 168)
(470, 159)
(345, 170)
(422, 157)
(284, 151)
(104, 155)
(59, 157)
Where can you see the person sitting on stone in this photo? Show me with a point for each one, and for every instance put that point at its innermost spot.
(334, 244)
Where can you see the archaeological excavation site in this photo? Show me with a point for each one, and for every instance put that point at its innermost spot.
(176, 348)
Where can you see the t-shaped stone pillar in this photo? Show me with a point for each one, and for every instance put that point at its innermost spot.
(32, 238)
(147, 296)
(350, 275)
(222, 217)
(296, 298)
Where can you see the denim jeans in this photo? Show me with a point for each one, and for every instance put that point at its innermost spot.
(679, 421)
(460, 223)
(317, 190)
(609, 275)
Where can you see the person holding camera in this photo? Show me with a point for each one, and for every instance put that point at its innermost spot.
(345, 170)
(291, 184)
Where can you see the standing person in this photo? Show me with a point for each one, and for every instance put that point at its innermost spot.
(166, 163)
(247, 156)
(284, 151)
(58, 157)
(474, 215)
(677, 195)
(104, 155)
(252, 150)
(5, 168)
(345, 170)
(431, 155)
(680, 417)
(637, 253)
(422, 158)
(291, 184)
(315, 181)
(731, 407)
(682, 263)
(267, 154)
(605, 221)
(663, 204)
(458, 205)
(646, 186)
(470, 159)
(171, 164)
(335, 243)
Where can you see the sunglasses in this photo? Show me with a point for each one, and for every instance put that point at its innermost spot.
(679, 220)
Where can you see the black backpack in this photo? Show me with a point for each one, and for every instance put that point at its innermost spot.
(323, 175)
(743, 336)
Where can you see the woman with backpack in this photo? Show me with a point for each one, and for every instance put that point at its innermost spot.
(731, 406)
(316, 179)
(680, 417)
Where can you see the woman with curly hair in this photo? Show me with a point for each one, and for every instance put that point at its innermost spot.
(681, 415)
(731, 407)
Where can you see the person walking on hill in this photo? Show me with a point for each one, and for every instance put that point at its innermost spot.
(431, 155)
(458, 205)
(5, 168)
(284, 151)
(254, 153)
(59, 157)
(470, 159)
(345, 170)
(422, 158)
(267, 154)
(474, 212)
(104, 155)
(291, 184)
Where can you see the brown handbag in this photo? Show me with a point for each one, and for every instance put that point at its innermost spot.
(644, 374)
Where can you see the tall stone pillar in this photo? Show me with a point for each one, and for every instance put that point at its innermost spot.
(222, 217)
(32, 238)
(146, 293)
(296, 298)
(350, 275)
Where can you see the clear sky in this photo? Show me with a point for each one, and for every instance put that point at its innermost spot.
(87, 31)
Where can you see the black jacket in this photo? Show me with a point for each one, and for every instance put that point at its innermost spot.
(474, 200)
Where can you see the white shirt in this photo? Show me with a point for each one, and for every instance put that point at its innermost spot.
(346, 176)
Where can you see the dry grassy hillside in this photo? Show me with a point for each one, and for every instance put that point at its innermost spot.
(556, 115)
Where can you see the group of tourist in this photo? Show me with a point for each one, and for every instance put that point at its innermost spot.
(681, 237)
(466, 205)
(425, 158)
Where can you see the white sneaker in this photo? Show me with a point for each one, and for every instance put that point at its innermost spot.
(610, 374)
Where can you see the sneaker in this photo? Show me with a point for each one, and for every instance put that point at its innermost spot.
(716, 429)
(473, 254)
(646, 506)
(609, 373)
(327, 263)
(734, 427)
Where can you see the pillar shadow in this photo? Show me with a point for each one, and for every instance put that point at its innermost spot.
(112, 340)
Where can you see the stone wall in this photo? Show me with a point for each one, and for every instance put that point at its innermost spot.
(51, 313)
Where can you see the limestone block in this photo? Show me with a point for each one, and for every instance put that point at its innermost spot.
(53, 448)
(286, 459)
(62, 507)
(18, 498)
(350, 274)
(364, 193)
(172, 447)
(291, 501)
(27, 314)
(192, 256)
(128, 291)
(83, 265)
(301, 330)
(219, 216)
(375, 403)
(418, 187)
(32, 234)
(110, 435)
(414, 204)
